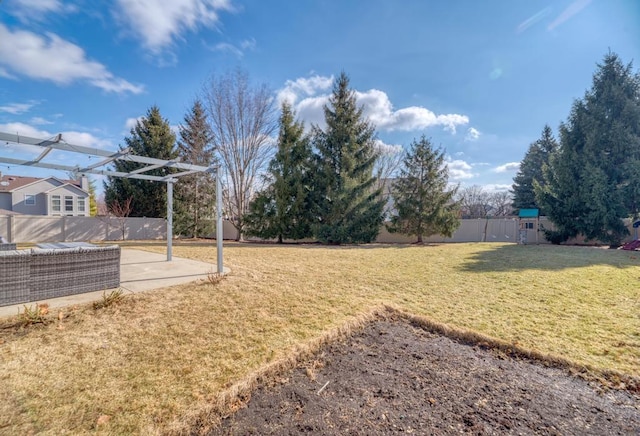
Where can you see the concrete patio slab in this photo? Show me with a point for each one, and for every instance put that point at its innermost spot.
(139, 271)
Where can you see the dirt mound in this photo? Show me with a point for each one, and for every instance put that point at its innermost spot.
(396, 378)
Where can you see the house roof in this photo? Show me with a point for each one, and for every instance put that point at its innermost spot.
(9, 183)
(71, 185)
(8, 212)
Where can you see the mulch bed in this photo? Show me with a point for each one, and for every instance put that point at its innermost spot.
(393, 377)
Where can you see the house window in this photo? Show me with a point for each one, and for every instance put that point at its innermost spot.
(528, 226)
(68, 204)
(29, 199)
(55, 204)
(81, 205)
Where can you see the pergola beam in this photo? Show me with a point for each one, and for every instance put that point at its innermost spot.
(150, 167)
(60, 167)
(105, 161)
(43, 155)
(56, 144)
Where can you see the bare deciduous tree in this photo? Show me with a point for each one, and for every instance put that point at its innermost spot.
(477, 202)
(474, 202)
(501, 203)
(386, 168)
(242, 119)
(121, 210)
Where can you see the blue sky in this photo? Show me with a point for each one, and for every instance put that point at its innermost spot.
(480, 78)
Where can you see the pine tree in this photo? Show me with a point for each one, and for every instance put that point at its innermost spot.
(283, 210)
(531, 169)
(423, 200)
(195, 194)
(350, 209)
(591, 184)
(151, 137)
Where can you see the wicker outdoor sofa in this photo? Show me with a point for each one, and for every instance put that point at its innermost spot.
(38, 274)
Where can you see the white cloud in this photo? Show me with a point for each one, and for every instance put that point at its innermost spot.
(387, 149)
(472, 134)
(22, 129)
(496, 187)
(4, 73)
(310, 110)
(28, 10)
(225, 47)
(85, 139)
(236, 50)
(130, 123)
(18, 108)
(52, 58)
(305, 87)
(308, 97)
(510, 166)
(459, 169)
(39, 121)
(380, 111)
(248, 44)
(158, 23)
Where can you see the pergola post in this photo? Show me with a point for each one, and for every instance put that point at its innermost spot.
(219, 225)
(169, 219)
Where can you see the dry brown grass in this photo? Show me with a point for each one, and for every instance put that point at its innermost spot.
(162, 360)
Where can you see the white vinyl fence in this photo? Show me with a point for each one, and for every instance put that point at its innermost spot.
(29, 228)
(26, 228)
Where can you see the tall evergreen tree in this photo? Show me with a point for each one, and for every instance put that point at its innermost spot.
(350, 209)
(195, 194)
(151, 137)
(423, 200)
(591, 183)
(531, 168)
(283, 210)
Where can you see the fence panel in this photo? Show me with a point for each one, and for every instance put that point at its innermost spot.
(37, 229)
(5, 222)
(29, 228)
(80, 228)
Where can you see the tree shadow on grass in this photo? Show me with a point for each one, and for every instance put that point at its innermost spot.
(548, 258)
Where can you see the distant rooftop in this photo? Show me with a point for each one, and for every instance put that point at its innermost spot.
(8, 182)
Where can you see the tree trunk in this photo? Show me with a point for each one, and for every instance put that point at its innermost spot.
(420, 239)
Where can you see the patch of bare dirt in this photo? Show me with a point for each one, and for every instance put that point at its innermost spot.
(396, 378)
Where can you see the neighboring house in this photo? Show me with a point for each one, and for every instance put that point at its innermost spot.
(44, 196)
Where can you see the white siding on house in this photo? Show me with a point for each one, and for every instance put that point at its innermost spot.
(5, 200)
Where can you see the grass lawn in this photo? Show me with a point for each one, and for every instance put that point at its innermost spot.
(157, 360)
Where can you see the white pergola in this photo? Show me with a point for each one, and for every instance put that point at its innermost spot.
(107, 157)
